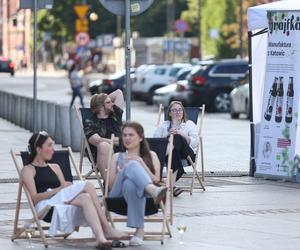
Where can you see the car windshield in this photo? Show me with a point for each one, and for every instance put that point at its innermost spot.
(174, 71)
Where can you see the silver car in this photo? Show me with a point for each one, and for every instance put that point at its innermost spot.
(239, 101)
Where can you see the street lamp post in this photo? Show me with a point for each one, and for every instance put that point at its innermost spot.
(199, 27)
(34, 107)
(241, 28)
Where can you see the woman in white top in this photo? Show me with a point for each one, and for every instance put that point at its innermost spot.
(186, 138)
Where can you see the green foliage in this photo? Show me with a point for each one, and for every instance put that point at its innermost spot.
(153, 22)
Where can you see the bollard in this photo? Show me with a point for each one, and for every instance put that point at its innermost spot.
(5, 115)
(39, 115)
(12, 108)
(1, 103)
(75, 131)
(58, 134)
(23, 112)
(51, 118)
(18, 110)
(64, 116)
(29, 115)
(44, 106)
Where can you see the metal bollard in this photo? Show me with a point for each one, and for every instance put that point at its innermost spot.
(1, 103)
(12, 108)
(23, 112)
(39, 115)
(51, 118)
(58, 134)
(44, 116)
(28, 114)
(75, 131)
(64, 116)
(18, 110)
(5, 115)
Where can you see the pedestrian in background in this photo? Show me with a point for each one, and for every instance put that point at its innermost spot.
(75, 81)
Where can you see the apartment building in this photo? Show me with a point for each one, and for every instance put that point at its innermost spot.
(15, 32)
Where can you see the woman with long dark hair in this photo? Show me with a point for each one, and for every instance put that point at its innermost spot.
(133, 175)
(47, 186)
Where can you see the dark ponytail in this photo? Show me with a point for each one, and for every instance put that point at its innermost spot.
(36, 140)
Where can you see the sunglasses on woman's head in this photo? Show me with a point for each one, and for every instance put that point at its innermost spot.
(43, 133)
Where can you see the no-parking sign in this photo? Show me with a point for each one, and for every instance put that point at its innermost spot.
(82, 39)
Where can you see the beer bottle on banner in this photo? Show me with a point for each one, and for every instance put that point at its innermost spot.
(289, 102)
(271, 100)
(279, 100)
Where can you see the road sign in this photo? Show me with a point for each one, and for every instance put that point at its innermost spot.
(81, 10)
(181, 26)
(117, 7)
(82, 39)
(81, 25)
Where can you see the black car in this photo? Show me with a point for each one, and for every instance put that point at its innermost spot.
(211, 84)
(7, 66)
(110, 84)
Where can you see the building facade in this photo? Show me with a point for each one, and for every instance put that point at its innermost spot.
(15, 30)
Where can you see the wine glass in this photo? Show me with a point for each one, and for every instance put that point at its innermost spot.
(29, 231)
(181, 227)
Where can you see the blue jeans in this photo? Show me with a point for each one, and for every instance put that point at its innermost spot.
(76, 92)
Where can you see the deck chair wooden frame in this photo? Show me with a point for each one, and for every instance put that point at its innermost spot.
(199, 159)
(86, 146)
(19, 231)
(165, 209)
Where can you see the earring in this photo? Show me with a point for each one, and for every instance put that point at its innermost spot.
(29, 149)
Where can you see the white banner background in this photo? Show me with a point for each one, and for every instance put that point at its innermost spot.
(277, 140)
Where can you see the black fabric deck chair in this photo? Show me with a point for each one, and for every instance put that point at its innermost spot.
(86, 148)
(119, 205)
(61, 157)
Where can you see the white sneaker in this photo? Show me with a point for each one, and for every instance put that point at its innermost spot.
(160, 193)
(136, 241)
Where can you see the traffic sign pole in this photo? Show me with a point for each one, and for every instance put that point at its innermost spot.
(127, 59)
(34, 106)
(127, 9)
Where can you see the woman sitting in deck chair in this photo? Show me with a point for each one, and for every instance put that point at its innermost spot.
(47, 186)
(132, 175)
(186, 139)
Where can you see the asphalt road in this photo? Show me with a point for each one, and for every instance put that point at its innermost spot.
(226, 141)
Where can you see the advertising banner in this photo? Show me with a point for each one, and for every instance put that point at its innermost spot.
(277, 141)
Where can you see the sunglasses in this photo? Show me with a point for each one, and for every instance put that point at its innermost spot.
(43, 133)
(180, 110)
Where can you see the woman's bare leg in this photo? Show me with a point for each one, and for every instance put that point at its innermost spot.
(84, 200)
(109, 231)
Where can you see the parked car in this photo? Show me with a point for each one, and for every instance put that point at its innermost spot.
(7, 66)
(211, 84)
(153, 78)
(110, 83)
(239, 101)
(164, 95)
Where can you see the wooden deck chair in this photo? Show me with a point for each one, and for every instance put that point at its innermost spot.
(61, 157)
(196, 114)
(160, 147)
(82, 115)
(153, 212)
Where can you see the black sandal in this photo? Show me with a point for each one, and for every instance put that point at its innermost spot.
(177, 191)
(117, 244)
(103, 247)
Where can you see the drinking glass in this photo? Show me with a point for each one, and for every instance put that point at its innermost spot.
(181, 227)
(29, 231)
